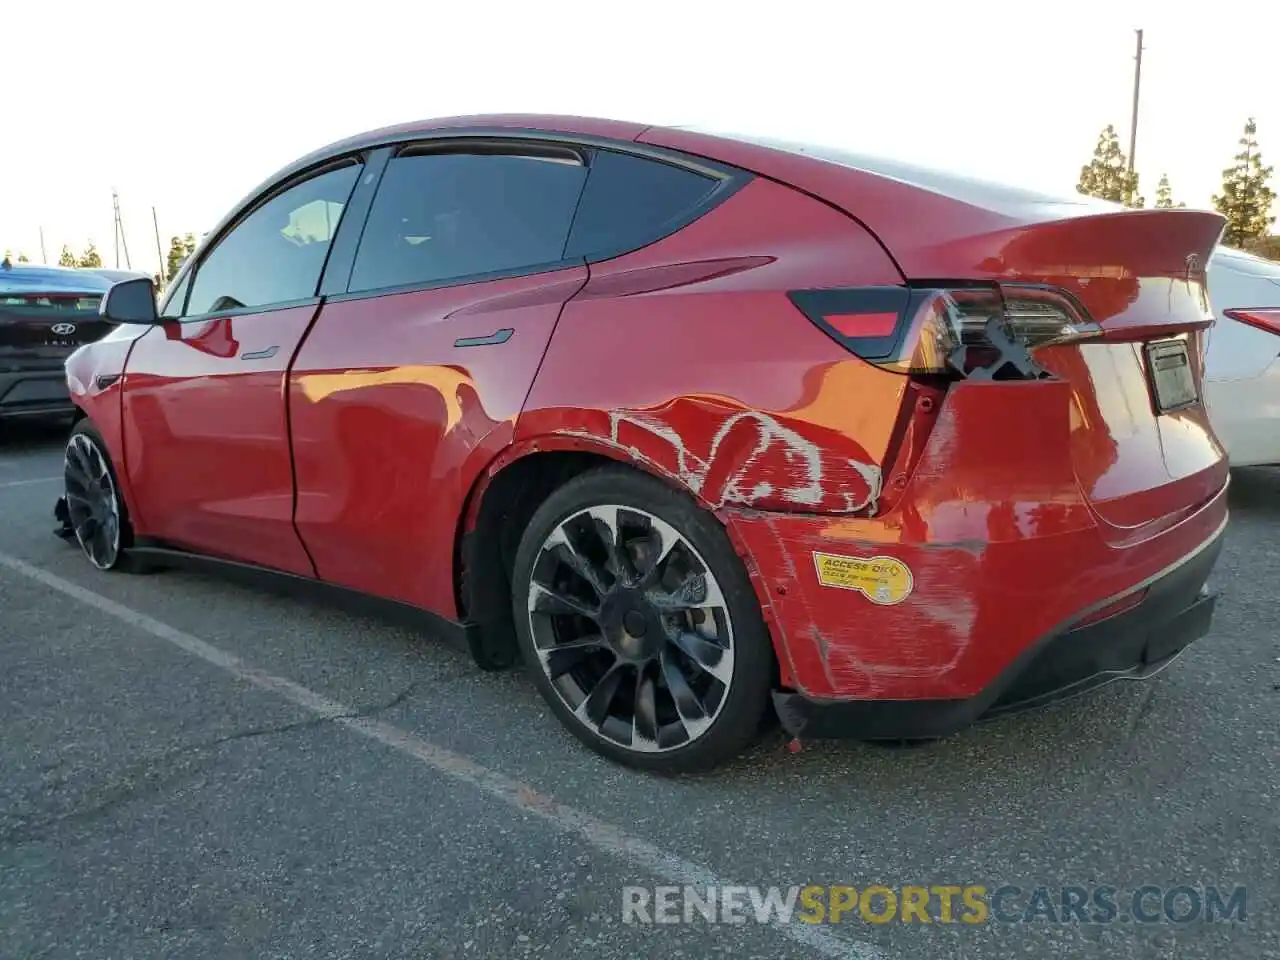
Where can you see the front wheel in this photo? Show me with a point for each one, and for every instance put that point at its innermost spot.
(95, 511)
(639, 623)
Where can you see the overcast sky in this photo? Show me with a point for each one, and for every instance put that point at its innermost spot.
(187, 106)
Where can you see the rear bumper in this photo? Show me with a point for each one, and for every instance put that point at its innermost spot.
(34, 392)
(1175, 610)
(991, 550)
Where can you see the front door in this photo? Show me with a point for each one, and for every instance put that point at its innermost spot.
(207, 442)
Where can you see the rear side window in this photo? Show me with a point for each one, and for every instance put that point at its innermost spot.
(631, 201)
(276, 253)
(444, 216)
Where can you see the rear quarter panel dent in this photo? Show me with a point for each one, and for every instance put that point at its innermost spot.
(839, 641)
(727, 455)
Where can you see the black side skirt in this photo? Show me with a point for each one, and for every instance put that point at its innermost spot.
(465, 636)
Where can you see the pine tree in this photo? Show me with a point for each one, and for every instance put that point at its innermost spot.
(90, 257)
(1268, 247)
(1246, 196)
(1133, 198)
(177, 256)
(1107, 175)
(67, 259)
(1164, 193)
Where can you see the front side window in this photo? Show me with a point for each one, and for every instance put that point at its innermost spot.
(441, 216)
(276, 253)
(176, 299)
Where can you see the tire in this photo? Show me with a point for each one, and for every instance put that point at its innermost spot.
(675, 645)
(96, 510)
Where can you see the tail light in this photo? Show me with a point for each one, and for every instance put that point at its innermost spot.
(1263, 318)
(978, 332)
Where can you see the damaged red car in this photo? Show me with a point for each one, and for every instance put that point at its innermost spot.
(697, 426)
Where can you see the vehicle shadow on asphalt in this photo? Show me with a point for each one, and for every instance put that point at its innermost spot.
(22, 436)
(1073, 748)
(1256, 490)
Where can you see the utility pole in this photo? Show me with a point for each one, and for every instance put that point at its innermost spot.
(1137, 79)
(120, 239)
(159, 250)
(44, 257)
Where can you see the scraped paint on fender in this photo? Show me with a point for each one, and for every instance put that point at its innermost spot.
(728, 456)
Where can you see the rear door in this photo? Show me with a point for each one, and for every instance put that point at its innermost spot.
(415, 372)
(207, 449)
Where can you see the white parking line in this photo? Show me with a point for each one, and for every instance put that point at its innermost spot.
(23, 483)
(603, 836)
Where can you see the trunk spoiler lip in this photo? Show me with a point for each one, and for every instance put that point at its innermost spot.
(1113, 245)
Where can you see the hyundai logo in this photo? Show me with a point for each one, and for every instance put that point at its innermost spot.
(63, 329)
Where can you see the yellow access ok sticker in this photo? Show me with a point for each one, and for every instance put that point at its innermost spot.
(882, 580)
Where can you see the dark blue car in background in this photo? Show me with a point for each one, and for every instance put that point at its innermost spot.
(45, 314)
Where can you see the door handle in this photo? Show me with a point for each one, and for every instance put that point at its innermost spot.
(498, 336)
(266, 354)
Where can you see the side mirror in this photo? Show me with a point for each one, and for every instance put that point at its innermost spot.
(130, 301)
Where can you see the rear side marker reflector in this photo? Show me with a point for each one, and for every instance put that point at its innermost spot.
(1112, 609)
(979, 332)
(859, 325)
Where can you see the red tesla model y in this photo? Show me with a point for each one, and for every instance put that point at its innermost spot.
(697, 426)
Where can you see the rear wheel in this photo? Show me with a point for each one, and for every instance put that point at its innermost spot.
(639, 623)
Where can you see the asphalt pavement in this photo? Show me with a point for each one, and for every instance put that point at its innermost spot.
(190, 768)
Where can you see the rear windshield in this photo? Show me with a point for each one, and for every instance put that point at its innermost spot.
(70, 304)
(967, 189)
(1243, 262)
